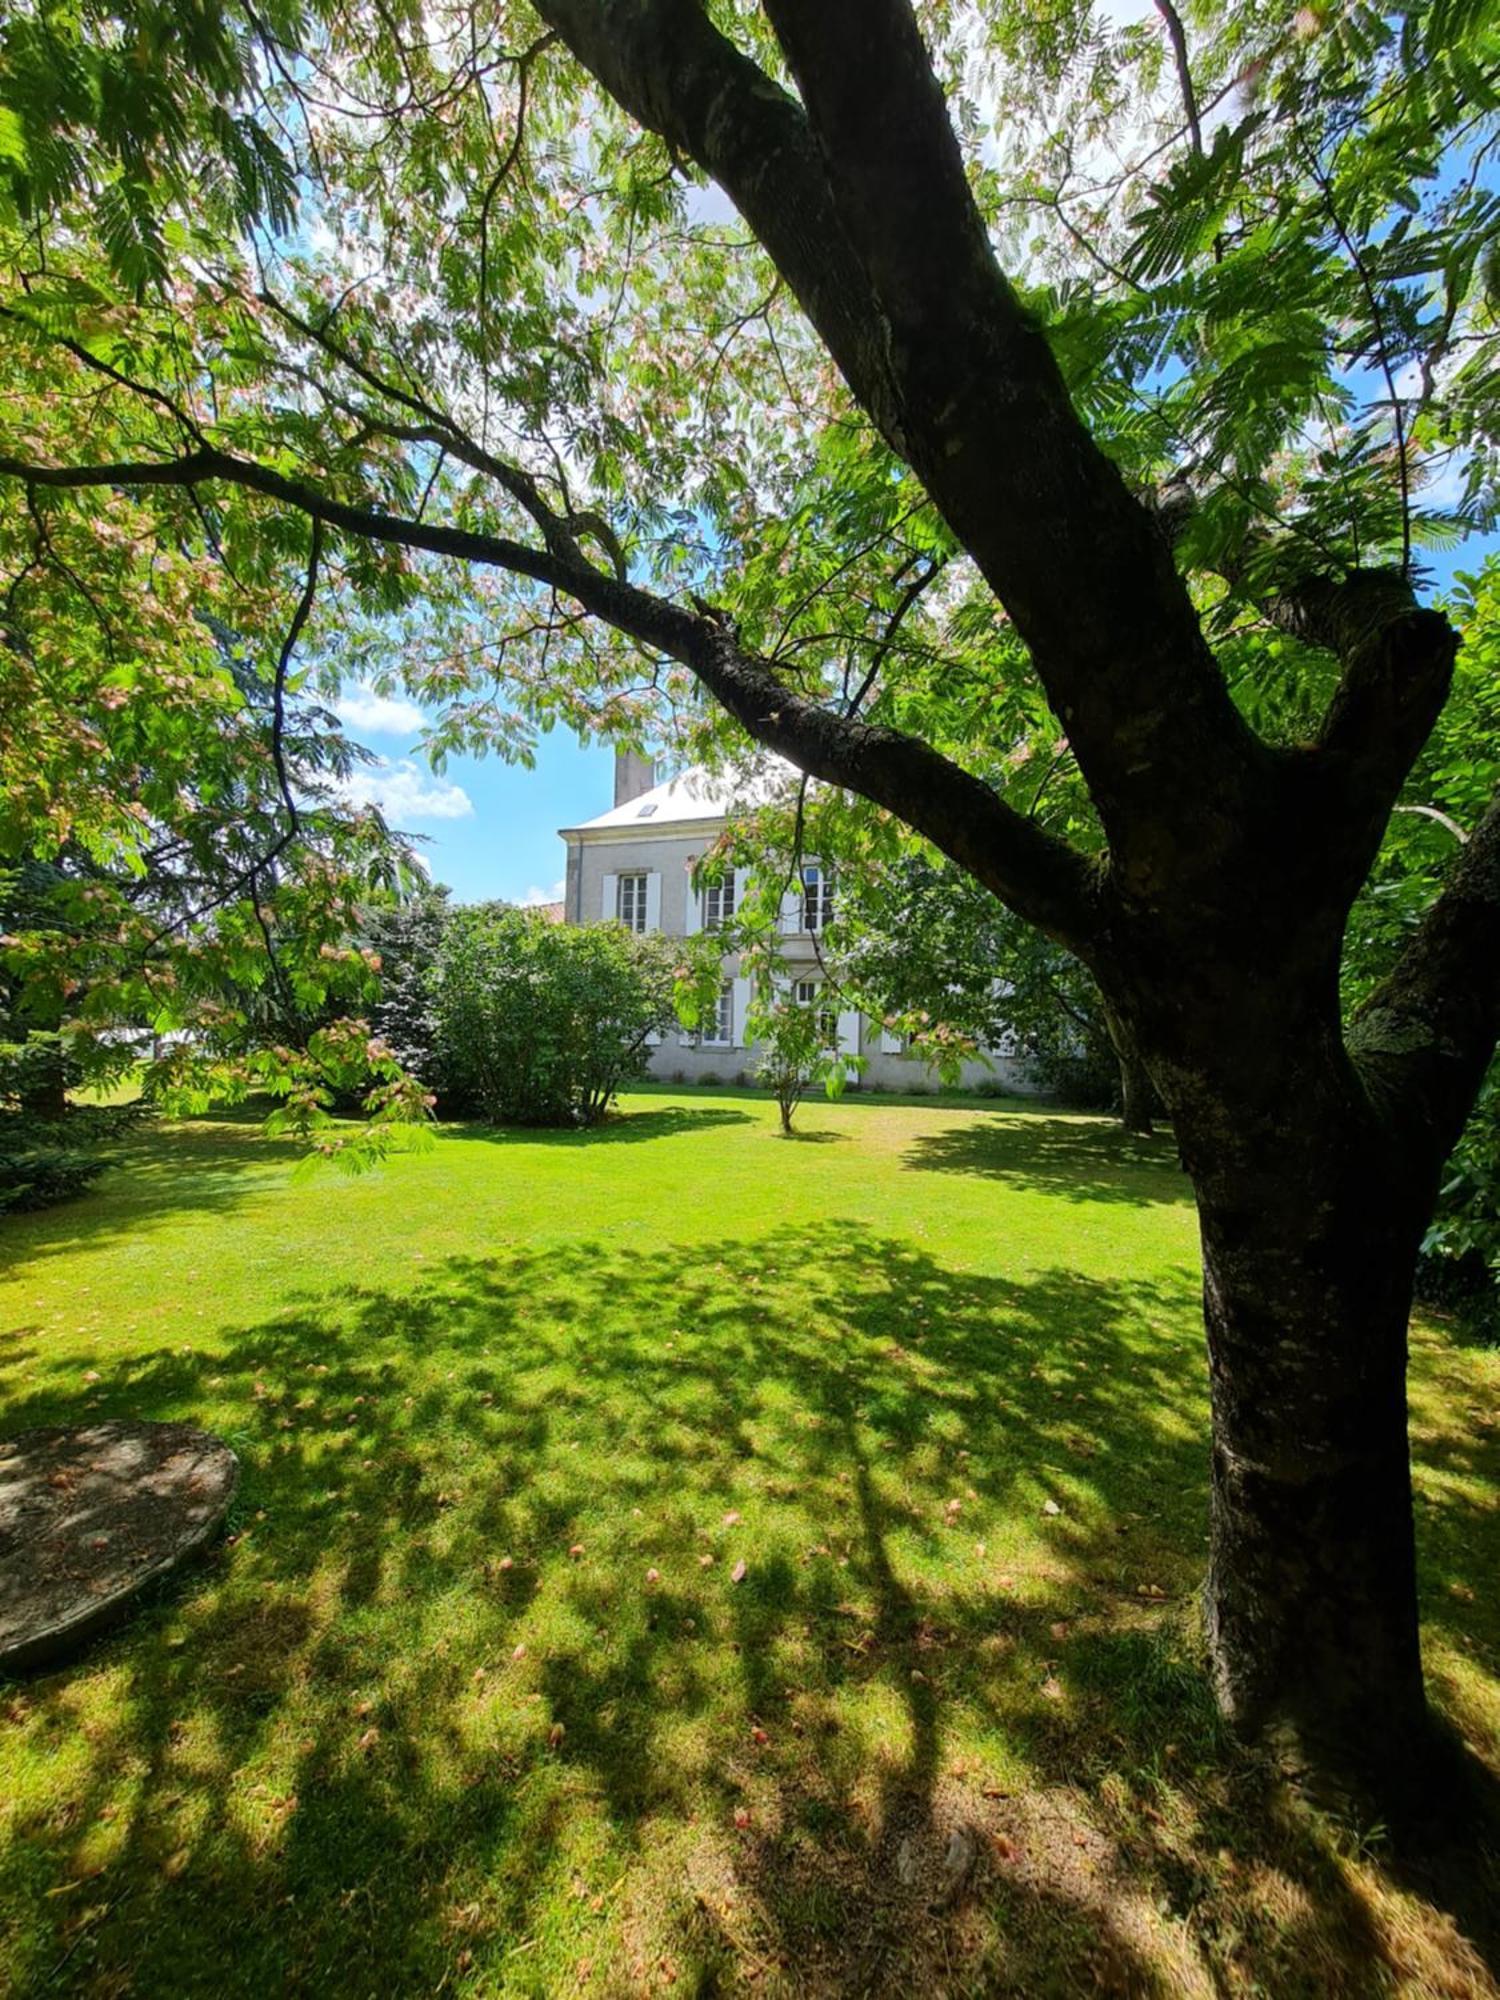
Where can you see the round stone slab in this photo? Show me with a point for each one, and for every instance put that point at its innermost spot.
(89, 1516)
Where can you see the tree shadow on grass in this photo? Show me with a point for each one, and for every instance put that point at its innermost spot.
(619, 1127)
(1084, 1160)
(210, 1165)
(197, 1166)
(474, 1698)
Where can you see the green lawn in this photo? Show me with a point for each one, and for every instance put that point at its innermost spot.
(472, 1701)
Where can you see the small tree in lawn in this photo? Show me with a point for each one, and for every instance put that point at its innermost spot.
(798, 1049)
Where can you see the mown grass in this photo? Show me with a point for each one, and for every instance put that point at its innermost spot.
(471, 1700)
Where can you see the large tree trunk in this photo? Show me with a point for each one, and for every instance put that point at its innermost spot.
(1311, 1592)
(45, 1077)
(1310, 1231)
(1137, 1095)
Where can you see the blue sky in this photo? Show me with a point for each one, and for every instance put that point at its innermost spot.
(489, 828)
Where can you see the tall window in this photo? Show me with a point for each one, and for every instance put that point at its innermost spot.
(805, 992)
(630, 901)
(718, 904)
(817, 898)
(721, 1027)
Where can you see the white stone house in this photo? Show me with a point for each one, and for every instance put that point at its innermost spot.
(634, 864)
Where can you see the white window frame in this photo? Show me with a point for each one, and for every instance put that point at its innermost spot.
(816, 911)
(719, 901)
(808, 993)
(722, 1035)
(631, 899)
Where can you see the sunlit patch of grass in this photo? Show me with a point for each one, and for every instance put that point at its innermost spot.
(476, 1696)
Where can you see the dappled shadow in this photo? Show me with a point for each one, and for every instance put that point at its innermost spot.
(623, 1125)
(209, 1167)
(478, 1655)
(216, 1164)
(1082, 1159)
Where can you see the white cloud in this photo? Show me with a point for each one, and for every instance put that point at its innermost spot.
(534, 896)
(370, 714)
(405, 792)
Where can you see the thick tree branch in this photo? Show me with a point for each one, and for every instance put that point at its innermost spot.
(863, 205)
(1040, 877)
(1397, 660)
(1424, 1039)
(1397, 672)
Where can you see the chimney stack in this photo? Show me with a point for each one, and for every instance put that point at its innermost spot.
(633, 776)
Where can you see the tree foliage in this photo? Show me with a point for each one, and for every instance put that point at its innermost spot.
(929, 952)
(537, 1023)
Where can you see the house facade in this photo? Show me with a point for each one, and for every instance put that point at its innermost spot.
(633, 864)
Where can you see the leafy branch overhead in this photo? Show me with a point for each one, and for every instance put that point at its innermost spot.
(508, 387)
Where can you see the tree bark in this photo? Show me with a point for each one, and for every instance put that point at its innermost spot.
(1310, 1227)
(1311, 1593)
(1137, 1092)
(1137, 1096)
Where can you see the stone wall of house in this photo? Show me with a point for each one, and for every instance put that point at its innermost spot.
(666, 858)
(678, 1059)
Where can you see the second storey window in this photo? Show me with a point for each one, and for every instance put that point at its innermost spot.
(718, 904)
(630, 901)
(817, 898)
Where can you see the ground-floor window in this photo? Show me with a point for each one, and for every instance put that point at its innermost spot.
(721, 1027)
(806, 993)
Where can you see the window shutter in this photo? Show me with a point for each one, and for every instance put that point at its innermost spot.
(849, 1031)
(611, 897)
(693, 921)
(791, 912)
(741, 1010)
(653, 901)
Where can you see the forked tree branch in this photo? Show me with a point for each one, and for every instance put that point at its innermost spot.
(859, 196)
(1039, 876)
